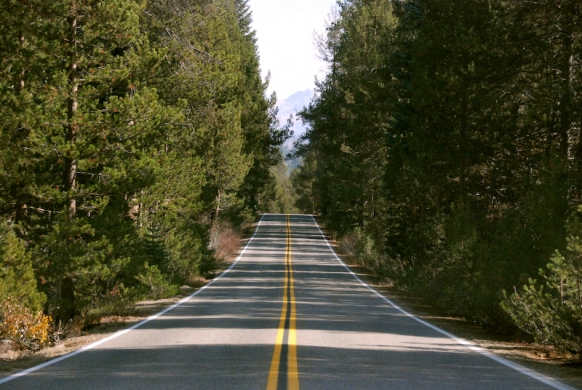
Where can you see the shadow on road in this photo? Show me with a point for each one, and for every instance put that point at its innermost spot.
(347, 337)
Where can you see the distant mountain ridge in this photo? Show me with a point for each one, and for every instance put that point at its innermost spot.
(290, 106)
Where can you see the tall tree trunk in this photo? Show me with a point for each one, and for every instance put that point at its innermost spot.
(66, 292)
(217, 207)
(21, 40)
(20, 207)
(463, 144)
(566, 82)
(70, 170)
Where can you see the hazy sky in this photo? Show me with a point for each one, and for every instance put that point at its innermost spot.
(285, 37)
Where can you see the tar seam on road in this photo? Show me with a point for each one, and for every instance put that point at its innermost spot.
(283, 373)
(517, 367)
(150, 318)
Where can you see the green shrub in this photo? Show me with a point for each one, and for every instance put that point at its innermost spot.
(156, 283)
(17, 278)
(360, 244)
(551, 310)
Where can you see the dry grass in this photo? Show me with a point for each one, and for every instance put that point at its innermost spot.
(349, 243)
(196, 281)
(225, 241)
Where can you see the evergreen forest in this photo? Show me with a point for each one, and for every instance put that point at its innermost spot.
(135, 135)
(444, 151)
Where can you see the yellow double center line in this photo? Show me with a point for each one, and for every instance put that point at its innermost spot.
(283, 373)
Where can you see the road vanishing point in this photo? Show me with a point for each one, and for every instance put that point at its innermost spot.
(288, 314)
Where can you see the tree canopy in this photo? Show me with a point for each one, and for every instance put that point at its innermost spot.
(129, 129)
(445, 140)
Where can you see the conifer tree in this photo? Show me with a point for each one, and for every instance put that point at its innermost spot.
(89, 144)
(127, 127)
(17, 280)
(444, 135)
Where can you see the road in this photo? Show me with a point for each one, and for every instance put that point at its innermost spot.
(287, 315)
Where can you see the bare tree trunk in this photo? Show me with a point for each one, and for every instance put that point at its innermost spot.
(66, 292)
(217, 207)
(70, 170)
(566, 98)
(23, 71)
(20, 206)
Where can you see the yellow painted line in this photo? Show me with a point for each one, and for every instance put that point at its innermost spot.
(292, 374)
(288, 297)
(275, 362)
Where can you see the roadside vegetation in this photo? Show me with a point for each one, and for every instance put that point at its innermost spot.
(444, 150)
(136, 142)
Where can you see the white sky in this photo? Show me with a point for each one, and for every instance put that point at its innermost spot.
(285, 38)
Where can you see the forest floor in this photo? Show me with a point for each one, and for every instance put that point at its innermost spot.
(541, 358)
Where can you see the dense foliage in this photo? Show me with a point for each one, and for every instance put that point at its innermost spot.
(129, 129)
(444, 143)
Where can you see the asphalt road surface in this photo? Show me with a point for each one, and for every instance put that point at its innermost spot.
(287, 315)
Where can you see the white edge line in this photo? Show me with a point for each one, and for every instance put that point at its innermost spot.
(526, 371)
(122, 332)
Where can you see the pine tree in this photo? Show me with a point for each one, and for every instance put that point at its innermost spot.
(124, 134)
(349, 117)
(17, 280)
(442, 129)
(88, 142)
(551, 309)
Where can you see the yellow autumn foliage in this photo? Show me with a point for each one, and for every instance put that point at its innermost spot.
(20, 325)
